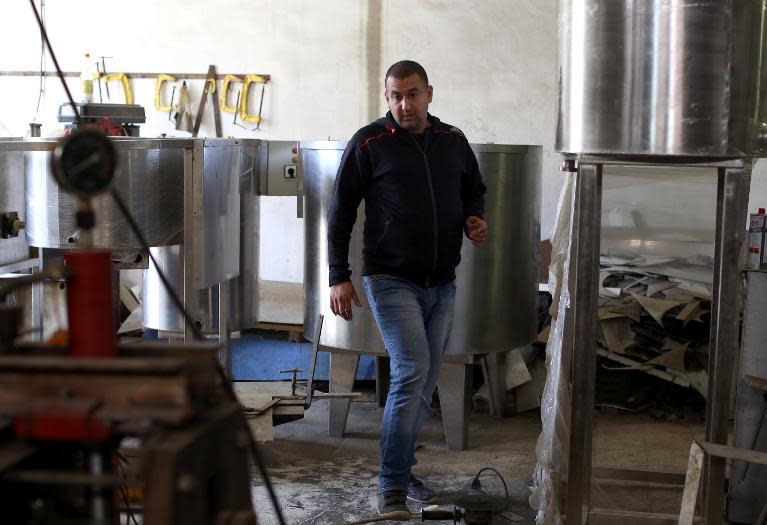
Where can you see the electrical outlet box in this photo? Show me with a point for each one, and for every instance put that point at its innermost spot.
(282, 168)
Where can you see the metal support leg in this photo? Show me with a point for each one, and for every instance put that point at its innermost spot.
(454, 387)
(731, 200)
(495, 376)
(588, 206)
(116, 301)
(343, 370)
(225, 353)
(38, 307)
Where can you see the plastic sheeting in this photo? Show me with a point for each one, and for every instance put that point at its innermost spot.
(552, 448)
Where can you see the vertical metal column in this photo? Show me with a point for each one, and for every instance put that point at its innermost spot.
(454, 387)
(225, 350)
(731, 200)
(188, 248)
(585, 238)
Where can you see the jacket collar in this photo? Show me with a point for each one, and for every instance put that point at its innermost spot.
(389, 122)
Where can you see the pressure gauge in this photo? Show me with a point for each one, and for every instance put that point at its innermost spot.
(84, 162)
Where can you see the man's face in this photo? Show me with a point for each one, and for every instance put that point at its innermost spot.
(408, 99)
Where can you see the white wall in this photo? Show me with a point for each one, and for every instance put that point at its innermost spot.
(492, 63)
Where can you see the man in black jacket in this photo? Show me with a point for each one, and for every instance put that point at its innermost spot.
(423, 190)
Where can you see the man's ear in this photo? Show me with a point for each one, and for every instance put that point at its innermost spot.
(430, 92)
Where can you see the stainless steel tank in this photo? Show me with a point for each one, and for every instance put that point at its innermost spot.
(660, 77)
(496, 301)
(158, 311)
(149, 176)
(12, 190)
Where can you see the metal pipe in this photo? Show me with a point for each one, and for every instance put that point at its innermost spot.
(98, 500)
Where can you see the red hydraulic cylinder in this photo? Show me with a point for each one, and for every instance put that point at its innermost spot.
(89, 304)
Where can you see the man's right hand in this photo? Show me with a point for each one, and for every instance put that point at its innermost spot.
(341, 296)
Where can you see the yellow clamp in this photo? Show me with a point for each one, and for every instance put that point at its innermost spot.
(122, 77)
(212, 85)
(249, 79)
(228, 79)
(161, 78)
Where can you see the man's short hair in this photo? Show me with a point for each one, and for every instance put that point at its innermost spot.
(405, 68)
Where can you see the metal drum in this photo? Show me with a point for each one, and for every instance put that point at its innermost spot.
(150, 177)
(159, 312)
(496, 301)
(659, 77)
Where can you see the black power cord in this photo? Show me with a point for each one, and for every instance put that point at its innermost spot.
(252, 445)
(477, 486)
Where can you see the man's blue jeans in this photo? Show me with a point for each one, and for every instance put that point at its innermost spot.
(415, 324)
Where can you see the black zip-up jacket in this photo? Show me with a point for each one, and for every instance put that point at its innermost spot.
(417, 200)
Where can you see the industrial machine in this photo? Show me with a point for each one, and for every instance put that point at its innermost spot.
(496, 284)
(67, 406)
(117, 120)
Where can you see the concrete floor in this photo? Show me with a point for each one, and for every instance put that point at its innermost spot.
(329, 481)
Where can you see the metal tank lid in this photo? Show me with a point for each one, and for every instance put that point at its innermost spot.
(124, 143)
(481, 147)
(121, 143)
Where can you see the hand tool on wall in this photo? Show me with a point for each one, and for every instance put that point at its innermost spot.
(98, 76)
(244, 116)
(158, 105)
(172, 98)
(103, 73)
(183, 115)
(228, 81)
(210, 87)
(123, 78)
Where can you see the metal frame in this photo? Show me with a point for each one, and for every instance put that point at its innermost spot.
(734, 177)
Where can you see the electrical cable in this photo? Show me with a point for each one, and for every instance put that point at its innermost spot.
(55, 61)
(121, 472)
(130, 517)
(226, 382)
(42, 63)
(491, 469)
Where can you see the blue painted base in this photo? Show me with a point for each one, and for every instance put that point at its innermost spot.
(259, 357)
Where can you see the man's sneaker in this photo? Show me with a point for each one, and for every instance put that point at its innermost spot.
(392, 505)
(417, 491)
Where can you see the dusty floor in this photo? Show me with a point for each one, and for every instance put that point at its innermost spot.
(330, 481)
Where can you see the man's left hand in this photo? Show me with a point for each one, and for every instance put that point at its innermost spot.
(476, 230)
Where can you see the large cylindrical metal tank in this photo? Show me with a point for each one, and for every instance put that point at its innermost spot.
(659, 77)
(496, 301)
(159, 312)
(149, 176)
